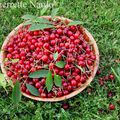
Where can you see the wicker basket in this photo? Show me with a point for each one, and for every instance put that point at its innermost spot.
(78, 90)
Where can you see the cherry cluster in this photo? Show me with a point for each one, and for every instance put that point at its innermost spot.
(35, 50)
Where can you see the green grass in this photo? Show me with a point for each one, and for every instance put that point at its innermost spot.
(101, 18)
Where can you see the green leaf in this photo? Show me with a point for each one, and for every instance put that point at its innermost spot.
(29, 22)
(55, 56)
(49, 81)
(54, 12)
(80, 68)
(32, 90)
(60, 64)
(6, 59)
(75, 23)
(42, 20)
(2, 81)
(58, 80)
(14, 60)
(34, 27)
(28, 17)
(39, 74)
(16, 93)
(43, 10)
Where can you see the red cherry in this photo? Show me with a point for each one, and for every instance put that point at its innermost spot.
(59, 31)
(43, 95)
(111, 76)
(37, 85)
(65, 106)
(111, 107)
(59, 93)
(77, 78)
(45, 58)
(73, 83)
(9, 73)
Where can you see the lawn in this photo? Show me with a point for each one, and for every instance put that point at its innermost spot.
(101, 18)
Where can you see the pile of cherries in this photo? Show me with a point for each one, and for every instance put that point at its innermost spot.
(35, 49)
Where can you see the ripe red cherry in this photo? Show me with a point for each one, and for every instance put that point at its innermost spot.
(9, 56)
(59, 93)
(35, 80)
(73, 83)
(59, 31)
(45, 58)
(40, 90)
(69, 88)
(37, 85)
(23, 88)
(42, 81)
(67, 67)
(9, 73)
(81, 63)
(43, 95)
(110, 94)
(65, 106)
(111, 106)
(10, 49)
(52, 36)
(27, 92)
(77, 78)
(49, 95)
(53, 42)
(111, 76)
(76, 35)
(65, 92)
(89, 62)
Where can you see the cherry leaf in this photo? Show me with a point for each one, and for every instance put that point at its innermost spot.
(57, 80)
(49, 81)
(42, 20)
(32, 90)
(39, 26)
(14, 60)
(2, 81)
(75, 23)
(28, 17)
(55, 56)
(60, 64)
(39, 74)
(29, 22)
(16, 93)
